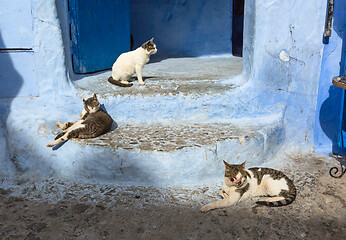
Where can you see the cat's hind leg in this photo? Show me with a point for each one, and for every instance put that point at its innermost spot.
(72, 132)
(58, 140)
(64, 136)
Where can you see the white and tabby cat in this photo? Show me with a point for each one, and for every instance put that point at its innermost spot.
(240, 184)
(130, 63)
(93, 122)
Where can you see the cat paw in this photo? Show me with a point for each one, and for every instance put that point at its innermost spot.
(205, 208)
(50, 145)
(59, 124)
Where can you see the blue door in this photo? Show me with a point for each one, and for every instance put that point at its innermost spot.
(100, 32)
(342, 125)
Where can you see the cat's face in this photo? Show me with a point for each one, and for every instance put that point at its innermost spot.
(235, 175)
(150, 47)
(91, 105)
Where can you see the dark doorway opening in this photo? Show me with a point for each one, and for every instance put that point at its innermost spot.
(237, 28)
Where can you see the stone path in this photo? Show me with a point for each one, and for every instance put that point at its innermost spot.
(58, 209)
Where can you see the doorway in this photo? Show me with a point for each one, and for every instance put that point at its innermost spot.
(101, 30)
(237, 28)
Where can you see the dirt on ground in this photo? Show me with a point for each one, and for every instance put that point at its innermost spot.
(58, 209)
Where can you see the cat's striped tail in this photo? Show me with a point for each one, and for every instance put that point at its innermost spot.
(289, 196)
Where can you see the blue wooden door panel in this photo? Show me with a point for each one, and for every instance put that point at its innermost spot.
(16, 24)
(100, 32)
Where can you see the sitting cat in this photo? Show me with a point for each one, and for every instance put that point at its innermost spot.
(93, 122)
(240, 184)
(130, 63)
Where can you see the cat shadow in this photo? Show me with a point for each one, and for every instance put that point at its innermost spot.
(56, 147)
(114, 126)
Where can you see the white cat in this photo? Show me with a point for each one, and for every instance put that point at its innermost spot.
(130, 63)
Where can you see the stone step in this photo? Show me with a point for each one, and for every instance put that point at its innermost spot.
(148, 154)
(165, 138)
(161, 136)
(184, 76)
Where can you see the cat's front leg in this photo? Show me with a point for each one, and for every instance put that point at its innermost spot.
(231, 200)
(65, 125)
(139, 74)
(223, 194)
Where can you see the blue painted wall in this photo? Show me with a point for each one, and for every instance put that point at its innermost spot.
(184, 27)
(17, 54)
(329, 100)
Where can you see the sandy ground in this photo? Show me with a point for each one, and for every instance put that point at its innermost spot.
(58, 209)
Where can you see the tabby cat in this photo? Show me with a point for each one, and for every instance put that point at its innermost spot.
(132, 62)
(93, 122)
(240, 184)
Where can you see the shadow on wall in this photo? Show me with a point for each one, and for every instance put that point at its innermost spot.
(183, 28)
(330, 111)
(11, 82)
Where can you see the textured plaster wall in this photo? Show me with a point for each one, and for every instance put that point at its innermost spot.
(286, 61)
(183, 27)
(49, 50)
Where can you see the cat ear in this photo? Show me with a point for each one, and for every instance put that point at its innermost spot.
(95, 97)
(243, 165)
(152, 39)
(83, 100)
(225, 163)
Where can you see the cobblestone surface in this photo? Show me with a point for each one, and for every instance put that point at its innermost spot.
(58, 209)
(170, 138)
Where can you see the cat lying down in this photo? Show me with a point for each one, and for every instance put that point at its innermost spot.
(240, 184)
(130, 63)
(93, 122)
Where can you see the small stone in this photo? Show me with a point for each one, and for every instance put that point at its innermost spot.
(13, 199)
(80, 208)
(5, 191)
(38, 227)
(100, 206)
(32, 236)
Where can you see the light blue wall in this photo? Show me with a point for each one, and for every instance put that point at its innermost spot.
(183, 27)
(329, 101)
(17, 54)
(39, 68)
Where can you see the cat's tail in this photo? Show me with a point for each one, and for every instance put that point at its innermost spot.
(289, 197)
(118, 82)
